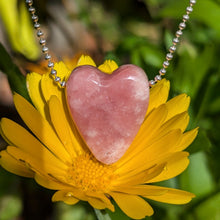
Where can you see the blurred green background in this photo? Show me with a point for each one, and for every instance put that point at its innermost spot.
(128, 31)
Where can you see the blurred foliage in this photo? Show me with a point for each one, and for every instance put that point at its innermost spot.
(19, 28)
(77, 212)
(16, 80)
(10, 199)
(140, 32)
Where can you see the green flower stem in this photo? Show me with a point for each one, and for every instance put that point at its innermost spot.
(102, 214)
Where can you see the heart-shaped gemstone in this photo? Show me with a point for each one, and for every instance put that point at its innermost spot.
(108, 109)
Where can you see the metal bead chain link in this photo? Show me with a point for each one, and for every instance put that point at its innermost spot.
(42, 42)
(172, 49)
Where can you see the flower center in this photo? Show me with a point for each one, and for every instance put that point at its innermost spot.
(89, 174)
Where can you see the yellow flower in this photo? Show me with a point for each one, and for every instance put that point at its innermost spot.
(55, 155)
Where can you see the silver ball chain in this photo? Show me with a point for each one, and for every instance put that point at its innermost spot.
(162, 72)
(172, 49)
(42, 42)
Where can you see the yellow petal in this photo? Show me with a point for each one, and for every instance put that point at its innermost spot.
(85, 60)
(151, 125)
(144, 137)
(158, 94)
(39, 163)
(99, 201)
(108, 66)
(175, 165)
(51, 183)
(132, 205)
(14, 166)
(64, 196)
(158, 149)
(62, 71)
(187, 139)
(173, 196)
(77, 143)
(141, 190)
(136, 178)
(165, 145)
(49, 88)
(177, 105)
(61, 126)
(21, 138)
(3, 135)
(41, 128)
(33, 86)
(179, 121)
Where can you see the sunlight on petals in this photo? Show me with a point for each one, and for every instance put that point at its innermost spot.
(40, 127)
(187, 139)
(176, 164)
(158, 94)
(132, 205)
(173, 196)
(108, 66)
(51, 183)
(33, 86)
(53, 152)
(14, 166)
(177, 105)
(66, 197)
(85, 60)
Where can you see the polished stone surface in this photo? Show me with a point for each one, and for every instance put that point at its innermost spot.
(108, 109)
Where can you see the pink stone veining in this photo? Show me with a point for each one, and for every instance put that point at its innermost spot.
(108, 109)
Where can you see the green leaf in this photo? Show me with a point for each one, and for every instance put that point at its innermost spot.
(215, 106)
(16, 80)
(131, 42)
(192, 70)
(207, 11)
(152, 56)
(209, 209)
(174, 9)
(136, 57)
(168, 38)
(198, 178)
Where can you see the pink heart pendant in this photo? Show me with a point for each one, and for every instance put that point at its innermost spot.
(108, 109)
